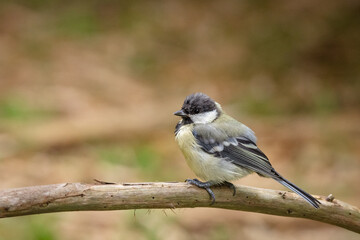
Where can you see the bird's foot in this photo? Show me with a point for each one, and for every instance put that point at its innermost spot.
(204, 185)
(207, 185)
(229, 185)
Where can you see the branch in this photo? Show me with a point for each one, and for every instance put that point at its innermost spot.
(103, 196)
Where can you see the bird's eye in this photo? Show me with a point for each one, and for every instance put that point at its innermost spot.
(196, 110)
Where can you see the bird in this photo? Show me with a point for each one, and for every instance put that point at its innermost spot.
(220, 149)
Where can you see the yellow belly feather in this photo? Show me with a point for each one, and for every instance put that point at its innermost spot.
(204, 165)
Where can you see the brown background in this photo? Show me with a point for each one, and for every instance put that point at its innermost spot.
(88, 88)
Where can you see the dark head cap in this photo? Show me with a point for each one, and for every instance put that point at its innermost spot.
(196, 103)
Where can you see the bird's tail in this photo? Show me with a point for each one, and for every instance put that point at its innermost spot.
(313, 201)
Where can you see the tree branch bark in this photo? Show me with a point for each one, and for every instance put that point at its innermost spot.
(100, 197)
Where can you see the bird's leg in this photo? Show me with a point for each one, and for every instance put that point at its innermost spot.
(204, 185)
(229, 185)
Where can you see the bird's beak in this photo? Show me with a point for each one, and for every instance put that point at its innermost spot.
(180, 113)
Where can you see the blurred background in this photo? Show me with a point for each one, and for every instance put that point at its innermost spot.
(88, 88)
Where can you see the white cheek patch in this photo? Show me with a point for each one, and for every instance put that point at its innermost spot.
(206, 117)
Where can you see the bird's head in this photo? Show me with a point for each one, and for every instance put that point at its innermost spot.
(199, 108)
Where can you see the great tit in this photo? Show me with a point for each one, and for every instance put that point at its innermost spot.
(220, 149)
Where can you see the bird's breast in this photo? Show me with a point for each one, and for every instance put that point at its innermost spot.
(206, 166)
(187, 142)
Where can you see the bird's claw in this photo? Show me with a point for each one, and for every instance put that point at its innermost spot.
(230, 185)
(207, 185)
(204, 185)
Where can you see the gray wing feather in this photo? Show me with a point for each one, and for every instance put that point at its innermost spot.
(249, 159)
(238, 147)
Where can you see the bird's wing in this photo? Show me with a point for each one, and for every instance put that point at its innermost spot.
(236, 147)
